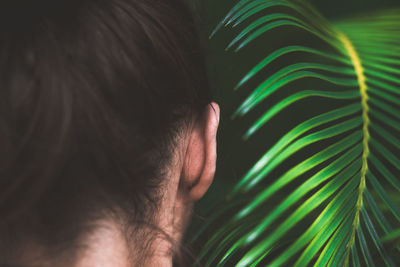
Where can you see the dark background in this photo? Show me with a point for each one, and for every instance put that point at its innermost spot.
(226, 68)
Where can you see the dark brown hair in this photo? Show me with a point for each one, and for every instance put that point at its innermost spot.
(92, 94)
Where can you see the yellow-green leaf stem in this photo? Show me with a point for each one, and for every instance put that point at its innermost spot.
(355, 59)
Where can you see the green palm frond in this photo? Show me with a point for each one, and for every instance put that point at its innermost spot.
(334, 202)
(394, 236)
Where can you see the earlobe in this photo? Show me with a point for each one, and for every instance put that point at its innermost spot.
(201, 156)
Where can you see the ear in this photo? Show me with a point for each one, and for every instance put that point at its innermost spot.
(201, 154)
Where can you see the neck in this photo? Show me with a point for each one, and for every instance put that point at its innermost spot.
(107, 246)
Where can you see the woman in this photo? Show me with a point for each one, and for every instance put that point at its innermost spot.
(107, 131)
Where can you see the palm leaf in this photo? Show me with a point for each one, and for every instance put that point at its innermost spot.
(335, 203)
(394, 236)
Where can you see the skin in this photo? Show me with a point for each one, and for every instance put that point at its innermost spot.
(189, 177)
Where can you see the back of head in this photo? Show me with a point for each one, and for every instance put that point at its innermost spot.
(92, 96)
